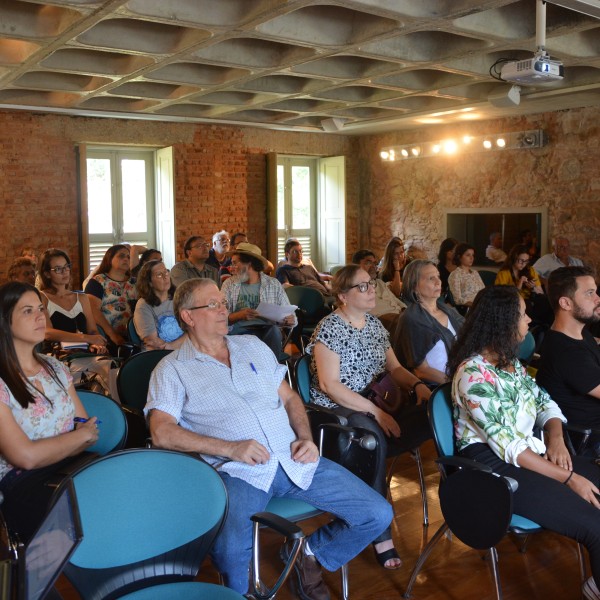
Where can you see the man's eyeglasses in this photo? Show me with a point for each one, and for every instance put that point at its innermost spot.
(61, 270)
(162, 274)
(363, 286)
(202, 245)
(224, 240)
(212, 305)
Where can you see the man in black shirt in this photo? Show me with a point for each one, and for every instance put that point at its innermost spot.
(570, 355)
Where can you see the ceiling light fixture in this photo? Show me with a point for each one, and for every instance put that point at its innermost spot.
(467, 144)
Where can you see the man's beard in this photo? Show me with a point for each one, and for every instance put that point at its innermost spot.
(579, 315)
(243, 275)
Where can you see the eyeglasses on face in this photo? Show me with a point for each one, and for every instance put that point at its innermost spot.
(162, 274)
(212, 305)
(200, 245)
(363, 286)
(224, 240)
(61, 270)
(522, 261)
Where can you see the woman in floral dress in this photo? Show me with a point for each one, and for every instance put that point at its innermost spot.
(112, 294)
(496, 407)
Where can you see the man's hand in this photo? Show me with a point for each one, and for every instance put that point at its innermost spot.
(247, 313)
(304, 451)
(249, 452)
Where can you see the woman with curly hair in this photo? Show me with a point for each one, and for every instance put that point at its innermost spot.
(497, 405)
(392, 263)
(154, 319)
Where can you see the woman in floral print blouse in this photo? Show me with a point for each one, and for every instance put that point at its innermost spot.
(38, 410)
(496, 407)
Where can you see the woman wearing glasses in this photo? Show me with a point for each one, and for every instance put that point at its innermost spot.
(69, 315)
(517, 271)
(350, 349)
(154, 319)
(427, 329)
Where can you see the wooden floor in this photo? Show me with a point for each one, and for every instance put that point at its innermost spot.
(548, 570)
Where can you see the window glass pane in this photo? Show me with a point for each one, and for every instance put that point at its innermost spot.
(133, 178)
(280, 198)
(300, 197)
(99, 195)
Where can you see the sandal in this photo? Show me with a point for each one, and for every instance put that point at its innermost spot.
(383, 557)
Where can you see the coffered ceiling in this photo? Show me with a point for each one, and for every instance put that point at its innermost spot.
(363, 66)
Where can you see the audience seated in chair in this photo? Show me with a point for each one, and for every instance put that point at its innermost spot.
(195, 250)
(22, 269)
(112, 294)
(39, 430)
(226, 398)
(154, 320)
(221, 245)
(464, 282)
(427, 329)
(554, 489)
(387, 306)
(446, 262)
(350, 348)
(494, 252)
(248, 287)
(296, 272)
(570, 356)
(392, 264)
(559, 257)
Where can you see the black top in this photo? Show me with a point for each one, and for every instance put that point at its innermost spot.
(570, 369)
(64, 323)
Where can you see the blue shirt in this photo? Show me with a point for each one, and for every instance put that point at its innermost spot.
(239, 403)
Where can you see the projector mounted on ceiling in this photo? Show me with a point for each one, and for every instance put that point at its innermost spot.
(539, 70)
(534, 71)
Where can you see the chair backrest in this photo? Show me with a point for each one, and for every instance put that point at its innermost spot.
(134, 337)
(335, 269)
(488, 277)
(309, 300)
(113, 429)
(527, 348)
(133, 379)
(440, 410)
(302, 377)
(144, 514)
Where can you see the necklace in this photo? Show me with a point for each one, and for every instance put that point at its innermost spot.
(358, 325)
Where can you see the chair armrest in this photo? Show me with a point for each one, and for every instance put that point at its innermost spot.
(324, 415)
(579, 428)
(279, 524)
(356, 435)
(460, 462)
(584, 432)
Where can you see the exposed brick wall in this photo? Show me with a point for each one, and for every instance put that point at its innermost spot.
(408, 198)
(220, 176)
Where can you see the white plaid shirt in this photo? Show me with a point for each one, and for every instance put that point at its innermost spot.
(270, 291)
(239, 403)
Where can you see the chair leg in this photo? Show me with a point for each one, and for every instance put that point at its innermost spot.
(494, 564)
(345, 590)
(582, 566)
(417, 456)
(423, 557)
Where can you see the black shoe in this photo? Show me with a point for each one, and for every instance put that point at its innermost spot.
(309, 579)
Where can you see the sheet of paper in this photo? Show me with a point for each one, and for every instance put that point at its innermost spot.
(275, 312)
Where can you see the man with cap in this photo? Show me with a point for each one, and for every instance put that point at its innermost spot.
(246, 289)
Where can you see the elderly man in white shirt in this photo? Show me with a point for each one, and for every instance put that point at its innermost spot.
(226, 398)
(559, 257)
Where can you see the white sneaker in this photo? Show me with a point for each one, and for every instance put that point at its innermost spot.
(590, 590)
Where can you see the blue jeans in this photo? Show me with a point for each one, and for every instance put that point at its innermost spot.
(362, 514)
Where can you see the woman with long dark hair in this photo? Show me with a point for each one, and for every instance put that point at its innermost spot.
(69, 314)
(446, 262)
(517, 270)
(497, 406)
(154, 319)
(112, 292)
(464, 282)
(392, 263)
(38, 408)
